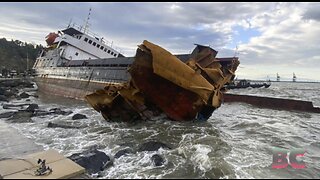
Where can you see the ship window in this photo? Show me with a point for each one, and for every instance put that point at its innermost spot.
(90, 41)
(101, 47)
(77, 53)
(109, 51)
(79, 37)
(94, 43)
(85, 39)
(115, 55)
(105, 50)
(98, 45)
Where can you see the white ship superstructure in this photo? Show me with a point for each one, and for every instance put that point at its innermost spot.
(74, 43)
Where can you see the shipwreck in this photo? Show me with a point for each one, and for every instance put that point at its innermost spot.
(183, 87)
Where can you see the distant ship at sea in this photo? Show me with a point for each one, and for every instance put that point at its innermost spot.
(294, 78)
(244, 83)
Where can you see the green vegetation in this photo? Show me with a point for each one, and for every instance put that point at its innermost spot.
(13, 55)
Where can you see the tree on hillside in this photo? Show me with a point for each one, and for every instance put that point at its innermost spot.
(13, 54)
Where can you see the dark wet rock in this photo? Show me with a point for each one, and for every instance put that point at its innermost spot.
(92, 160)
(55, 125)
(123, 152)
(4, 98)
(22, 83)
(21, 117)
(41, 113)
(27, 84)
(153, 146)
(79, 116)
(32, 107)
(14, 106)
(7, 114)
(51, 111)
(2, 91)
(28, 100)
(9, 93)
(157, 160)
(10, 83)
(59, 111)
(13, 90)
(36, 96)
(24, 95)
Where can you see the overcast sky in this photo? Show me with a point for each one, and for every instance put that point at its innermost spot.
(271, 37)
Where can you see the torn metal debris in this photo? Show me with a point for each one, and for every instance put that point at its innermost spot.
(160, 82)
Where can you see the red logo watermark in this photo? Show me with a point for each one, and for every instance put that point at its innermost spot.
(282, 158)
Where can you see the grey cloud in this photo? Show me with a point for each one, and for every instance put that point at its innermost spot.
(313, 12)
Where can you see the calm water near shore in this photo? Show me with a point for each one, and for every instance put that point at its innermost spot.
(236, 142)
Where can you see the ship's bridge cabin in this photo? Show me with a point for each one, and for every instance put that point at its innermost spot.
(72, 44)
(76, 45)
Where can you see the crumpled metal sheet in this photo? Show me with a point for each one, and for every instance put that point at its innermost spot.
(171, 68)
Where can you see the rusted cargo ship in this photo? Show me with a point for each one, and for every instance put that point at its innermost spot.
(79, 65)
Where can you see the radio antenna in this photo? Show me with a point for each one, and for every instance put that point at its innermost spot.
(86, 26)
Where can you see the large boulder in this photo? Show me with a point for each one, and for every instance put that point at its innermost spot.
(92, 160)
(79, 116)
(153, 146)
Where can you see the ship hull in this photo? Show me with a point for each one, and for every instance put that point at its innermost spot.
(76, 89)
(77, 82)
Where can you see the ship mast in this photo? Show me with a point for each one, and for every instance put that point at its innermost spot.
(278, 77)
(86, 26)
(236, 52)
(294, 78)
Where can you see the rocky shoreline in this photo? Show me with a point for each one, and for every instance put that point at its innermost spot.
(93, 160)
